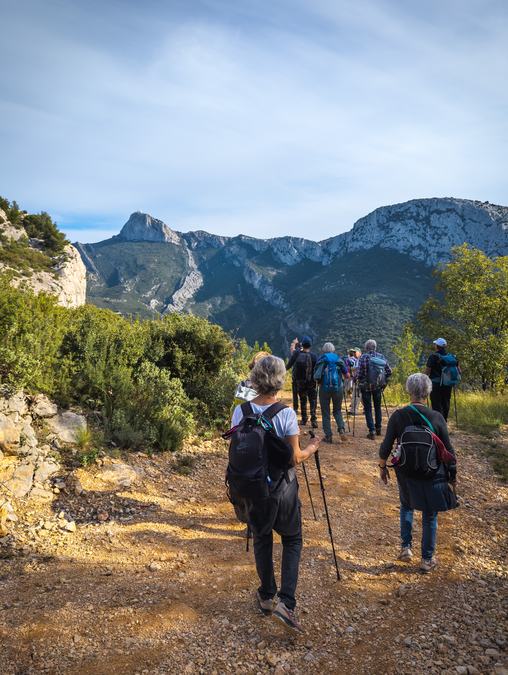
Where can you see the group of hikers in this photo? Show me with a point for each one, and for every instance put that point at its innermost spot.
(265, 448)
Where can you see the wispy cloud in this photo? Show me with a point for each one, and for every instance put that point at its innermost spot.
(263, 118)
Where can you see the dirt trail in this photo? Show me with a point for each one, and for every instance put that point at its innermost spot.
(156, 578)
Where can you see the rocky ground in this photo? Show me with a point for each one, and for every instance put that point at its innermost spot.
(142, 568)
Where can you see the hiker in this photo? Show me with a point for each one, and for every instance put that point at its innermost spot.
(444, 371)
(281, 510)
(244, 390)
(351, 362)
(294, 347)
(371, 378)
(303, 364)
(329, 373)
(427, 492)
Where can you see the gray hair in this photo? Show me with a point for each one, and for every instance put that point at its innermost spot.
(418, 386)
(328, 347)
(370, 346)
(268, 375)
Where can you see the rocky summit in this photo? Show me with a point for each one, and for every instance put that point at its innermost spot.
(368, 280)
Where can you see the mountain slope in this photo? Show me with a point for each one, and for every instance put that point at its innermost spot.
(367, 281)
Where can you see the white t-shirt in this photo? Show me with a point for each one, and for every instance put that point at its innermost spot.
(284, 422)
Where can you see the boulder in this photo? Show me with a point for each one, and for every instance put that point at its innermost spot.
(66, 426)
(22, 479)
(121, 475)
(27, 434)
(17, 404)
(43, 407)
(9, 433)
(45, 470)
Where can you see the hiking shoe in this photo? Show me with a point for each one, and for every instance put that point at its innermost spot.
(371, 436)
(342, 436)
(314, 425)
(287, 616)
(303, 422)
(405, 554)
(428, 565)
(266, 606)
(378, 432)
(329, 439)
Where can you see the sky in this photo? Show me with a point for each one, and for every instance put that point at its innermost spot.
(260, 117)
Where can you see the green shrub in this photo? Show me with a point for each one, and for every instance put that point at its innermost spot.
(40, 226)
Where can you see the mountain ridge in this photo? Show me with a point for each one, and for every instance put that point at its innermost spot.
(151, 269)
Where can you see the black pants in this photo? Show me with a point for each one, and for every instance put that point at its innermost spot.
(369, 398)
(288, 524)
(295, 396)
(308, 390)
(440, 399)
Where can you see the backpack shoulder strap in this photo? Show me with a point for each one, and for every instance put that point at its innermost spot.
(274, 409)
(247, 409)
(422, 416)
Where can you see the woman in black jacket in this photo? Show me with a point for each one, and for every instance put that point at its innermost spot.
(426, 495)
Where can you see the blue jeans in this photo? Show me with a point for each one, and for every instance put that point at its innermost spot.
(429, 530)
(335, 397)
(369, 398)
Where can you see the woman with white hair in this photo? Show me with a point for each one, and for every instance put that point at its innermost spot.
(329, 372)
(429, 493)
(282, 510)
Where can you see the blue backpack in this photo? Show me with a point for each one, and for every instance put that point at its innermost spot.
(450, 373)
(331, 379)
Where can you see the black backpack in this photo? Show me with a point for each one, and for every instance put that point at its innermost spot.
(418, 451)
(304, 368)
(248, 476)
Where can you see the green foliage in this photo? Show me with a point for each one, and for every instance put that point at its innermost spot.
(31, 331)
(151, 383)
(21, 257)
(482, 412)
(12, 210)
(40, 226)
(407, 350)
(471, 311)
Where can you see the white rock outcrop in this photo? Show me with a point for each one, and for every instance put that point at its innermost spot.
(68, 283)
(143, 227)
(67, 425)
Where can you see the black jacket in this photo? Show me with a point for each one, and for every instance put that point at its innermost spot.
(419, 494)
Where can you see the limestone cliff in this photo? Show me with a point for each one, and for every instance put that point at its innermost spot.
(63, 275)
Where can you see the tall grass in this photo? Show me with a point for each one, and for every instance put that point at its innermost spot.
(482, 412)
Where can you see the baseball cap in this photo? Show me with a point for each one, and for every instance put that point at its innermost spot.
(440, 342)
(306, 341)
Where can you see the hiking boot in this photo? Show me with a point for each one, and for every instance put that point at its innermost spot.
(287, 616)
(303, 421)
(266, 606)
(329, 439)
(371, 436)
(378, 432)
(314, 425)
(428, 565)
(342, 436)
(405, 554)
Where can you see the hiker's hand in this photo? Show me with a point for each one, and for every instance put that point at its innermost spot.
(383, 473)
(314, 443)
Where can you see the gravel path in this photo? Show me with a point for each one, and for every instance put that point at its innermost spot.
(155, 578)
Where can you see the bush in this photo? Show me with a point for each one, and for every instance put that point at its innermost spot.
(40, 226)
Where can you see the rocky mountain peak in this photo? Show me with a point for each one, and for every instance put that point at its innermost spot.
(143, 227)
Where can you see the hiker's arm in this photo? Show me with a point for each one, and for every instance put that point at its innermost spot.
(443, 434)
(292, 359)
(300, 455)
(391, 434)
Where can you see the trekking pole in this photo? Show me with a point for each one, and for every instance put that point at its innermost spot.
(308, 490)
(455, 406)
(347, 414)
(248, 537)
(354, 406)
(318, 467)
(384, 401)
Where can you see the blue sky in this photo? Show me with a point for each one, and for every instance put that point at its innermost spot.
(258, 117)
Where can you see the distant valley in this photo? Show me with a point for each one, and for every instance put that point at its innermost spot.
(366, 282)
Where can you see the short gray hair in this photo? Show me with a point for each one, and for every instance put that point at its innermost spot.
(370, 346)
(418, 386)
(268, 375)
(328, 347)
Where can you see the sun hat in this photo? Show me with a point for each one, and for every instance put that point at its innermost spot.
(440, 342)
